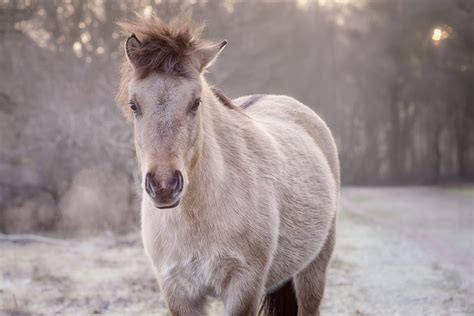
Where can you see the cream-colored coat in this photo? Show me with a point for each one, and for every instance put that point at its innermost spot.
(259, 206)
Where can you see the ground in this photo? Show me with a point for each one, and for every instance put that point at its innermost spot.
(400, 251)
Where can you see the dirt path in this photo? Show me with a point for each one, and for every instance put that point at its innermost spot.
(400, 251)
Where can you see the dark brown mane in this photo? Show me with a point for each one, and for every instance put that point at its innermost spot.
(165, 47)
(224, 99)
(227, 102)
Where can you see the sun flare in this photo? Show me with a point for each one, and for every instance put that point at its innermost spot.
(441, 33)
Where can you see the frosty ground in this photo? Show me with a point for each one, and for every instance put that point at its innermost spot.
(400, 251)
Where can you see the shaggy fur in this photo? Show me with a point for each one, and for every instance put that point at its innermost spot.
(256, 218)
(166, 48)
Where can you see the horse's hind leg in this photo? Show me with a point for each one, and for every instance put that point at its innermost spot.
(310, 282)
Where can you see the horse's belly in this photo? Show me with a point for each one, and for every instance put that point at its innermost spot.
(291, 258)
(308, 205)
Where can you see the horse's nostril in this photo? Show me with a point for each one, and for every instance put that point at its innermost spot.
(150, 186)
(176, 184)
(178, 187)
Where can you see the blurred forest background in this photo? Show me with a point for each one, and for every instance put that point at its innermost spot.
(392, 78)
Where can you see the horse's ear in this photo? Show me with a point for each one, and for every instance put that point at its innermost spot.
(207, 55)
(130, 47)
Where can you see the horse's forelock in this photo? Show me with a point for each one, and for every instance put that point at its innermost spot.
(165, 47)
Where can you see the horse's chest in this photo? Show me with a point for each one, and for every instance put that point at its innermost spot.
(198, 276)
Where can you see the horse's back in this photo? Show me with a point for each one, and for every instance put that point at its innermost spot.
(281, 109)
(307, 169)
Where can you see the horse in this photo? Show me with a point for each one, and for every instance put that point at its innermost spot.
(239, 197)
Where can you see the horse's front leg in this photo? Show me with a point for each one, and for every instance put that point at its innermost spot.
(183, 297)
(243, 294)
(181, 304)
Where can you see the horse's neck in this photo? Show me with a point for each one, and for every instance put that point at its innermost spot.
(211, 168)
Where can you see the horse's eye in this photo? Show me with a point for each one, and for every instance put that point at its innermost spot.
(134, 107)
(196, 104)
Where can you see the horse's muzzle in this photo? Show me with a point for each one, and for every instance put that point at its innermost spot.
(165, 192)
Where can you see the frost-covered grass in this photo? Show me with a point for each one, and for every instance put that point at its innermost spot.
(405, 251)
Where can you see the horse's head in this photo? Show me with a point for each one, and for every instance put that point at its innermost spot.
(162, 94)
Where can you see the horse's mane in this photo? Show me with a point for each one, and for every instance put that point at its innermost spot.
(224, 100)
(165, 47)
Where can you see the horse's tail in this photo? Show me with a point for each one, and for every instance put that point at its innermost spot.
(281, 302)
